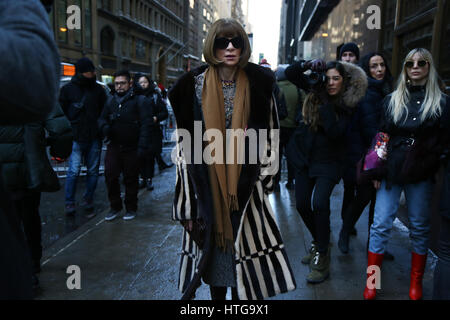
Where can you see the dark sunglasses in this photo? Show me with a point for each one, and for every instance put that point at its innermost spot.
(420, 63)
(222, 43)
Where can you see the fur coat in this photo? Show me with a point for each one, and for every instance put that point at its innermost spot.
(261, 264)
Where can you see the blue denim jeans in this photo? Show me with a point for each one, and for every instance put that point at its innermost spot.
(90, 153)
(418, 200)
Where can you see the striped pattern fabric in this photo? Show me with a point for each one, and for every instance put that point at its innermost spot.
(262, 266)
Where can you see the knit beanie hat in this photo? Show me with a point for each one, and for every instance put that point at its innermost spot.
(84, 65)
(350, 46)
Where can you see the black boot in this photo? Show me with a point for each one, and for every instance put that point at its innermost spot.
(142, 183)
(218, 293)
(149, 185)
(388, 256)
(234, 294)
(343, 242)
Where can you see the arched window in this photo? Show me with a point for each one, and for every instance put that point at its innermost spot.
(107, 41)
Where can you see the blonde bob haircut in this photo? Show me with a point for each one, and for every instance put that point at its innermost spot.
(227, 28)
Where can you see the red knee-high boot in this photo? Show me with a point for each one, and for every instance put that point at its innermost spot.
(418, 262)
(373, 259)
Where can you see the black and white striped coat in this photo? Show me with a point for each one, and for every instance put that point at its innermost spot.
(262, 266)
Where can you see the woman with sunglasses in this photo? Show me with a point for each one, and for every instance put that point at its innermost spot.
(230, 236)
(416, 118)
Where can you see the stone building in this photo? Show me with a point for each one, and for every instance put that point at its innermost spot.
(317, 28)
(140, 35)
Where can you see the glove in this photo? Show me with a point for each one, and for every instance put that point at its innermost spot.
(317, 65)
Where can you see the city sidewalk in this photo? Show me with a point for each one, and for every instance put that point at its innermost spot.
(139, 259)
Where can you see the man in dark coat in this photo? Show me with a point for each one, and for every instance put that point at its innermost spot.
(28, 51)
(349, 53)
(82, 100)
(125, 122)
(293, 98)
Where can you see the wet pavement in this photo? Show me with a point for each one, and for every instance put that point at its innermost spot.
(138, 259)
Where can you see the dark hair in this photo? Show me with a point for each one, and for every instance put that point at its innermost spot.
(365, 65)
(340, 68)
(123, 73)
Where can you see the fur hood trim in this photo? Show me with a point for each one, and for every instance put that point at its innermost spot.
(356, 85)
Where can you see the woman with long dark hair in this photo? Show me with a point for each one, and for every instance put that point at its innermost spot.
(363, 128)
(320, 150)
(145, 86)
(230, 238)
(416, 118)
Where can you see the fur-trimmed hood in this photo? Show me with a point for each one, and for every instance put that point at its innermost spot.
(356, 86)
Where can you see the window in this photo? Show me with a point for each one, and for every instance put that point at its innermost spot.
(140, 49)
(77, 33)
(107, 41)
(61, 18)
(87, 24)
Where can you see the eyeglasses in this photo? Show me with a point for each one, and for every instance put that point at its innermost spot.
(222, 43)
(420, 63)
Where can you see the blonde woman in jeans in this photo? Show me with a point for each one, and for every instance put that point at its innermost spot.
(416, 118)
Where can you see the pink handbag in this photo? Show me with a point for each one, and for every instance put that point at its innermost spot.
(372, 165)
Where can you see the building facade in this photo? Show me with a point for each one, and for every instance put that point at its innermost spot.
(139, 35)
(202, 14)
(317, 28)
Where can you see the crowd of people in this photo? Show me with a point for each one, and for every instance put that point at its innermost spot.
(329, 115)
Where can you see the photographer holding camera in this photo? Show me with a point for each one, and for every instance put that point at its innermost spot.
(317, 149)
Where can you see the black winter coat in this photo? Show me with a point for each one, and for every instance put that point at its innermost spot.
(29, 55)
(126, 122)
(364, 125)
(83, 118)
(254, 220)
(322, 153)
(414, 149)
(23, 152)
(159, 110)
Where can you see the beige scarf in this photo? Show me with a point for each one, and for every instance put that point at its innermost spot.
(224, 177)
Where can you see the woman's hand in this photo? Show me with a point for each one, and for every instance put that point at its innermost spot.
(376, 184)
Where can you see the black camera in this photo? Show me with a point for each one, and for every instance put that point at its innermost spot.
(316, 79)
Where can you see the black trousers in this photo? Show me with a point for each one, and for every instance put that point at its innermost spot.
(365, 193)
(147, 165)
(15, 261)
(285, 136)
(315, 191)
(126, 162)
(27, 208)
(441, 288)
